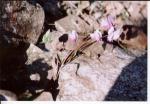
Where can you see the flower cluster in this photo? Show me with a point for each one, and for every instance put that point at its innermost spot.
(107, 24)
(97, 35)
(113, 34)
(73, 35)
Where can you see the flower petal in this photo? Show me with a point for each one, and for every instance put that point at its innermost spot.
(110, 34)
(110, 37)
(111, 20)
(108, 22)
(111, 30)
(104, 24)
(97, 35)
(117, 34)
(92, 36)
(100, 34)
(73, 35)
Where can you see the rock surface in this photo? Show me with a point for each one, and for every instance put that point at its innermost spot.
(23, 19)
(72, 22)
(98, 73)
(21, 23)
(115, 73)
(93, 79)
(39, 64)
(44, 96)
(7, 96)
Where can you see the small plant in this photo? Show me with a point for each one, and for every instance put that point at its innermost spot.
(107, 24)
(73, 36)
(46, 37)
(97, 35)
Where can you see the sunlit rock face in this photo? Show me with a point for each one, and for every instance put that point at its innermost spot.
(93, 80)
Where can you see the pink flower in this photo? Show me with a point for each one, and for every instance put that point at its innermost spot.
(117, 34)
(110, 34)
(73, 36)
(107, 23)
(113, 34)
(97, 35)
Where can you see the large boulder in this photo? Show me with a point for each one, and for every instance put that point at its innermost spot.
(21, 24)
(23, 19)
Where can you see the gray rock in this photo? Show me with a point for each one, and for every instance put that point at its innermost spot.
(34, 53)
(9, 96)
(21, 23)
(72, 22)
(23, 19)
(93, 79)
(44, 96)
(35, 77)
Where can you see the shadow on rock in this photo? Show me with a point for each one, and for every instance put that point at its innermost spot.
(47, 85)
(21, 81)
(53, 12)
(131, 85)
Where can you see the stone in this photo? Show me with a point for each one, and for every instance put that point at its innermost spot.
(44, 96)
(94, 25)
(8, 96)
(23, 19)
(91, 80)
(21, 24)
(133, 38)
(135, 15)
(114, 8)
(82, 6)
(72, 22)
(54, 41)
(35, 77)
(34, 53)
(51, 7)
(126, 4)
(144, 12)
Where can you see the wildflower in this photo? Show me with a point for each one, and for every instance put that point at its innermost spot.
(73, 36)
(113, 34)
(97, 35)
(117, 34)
(110, 34)
(107, 23)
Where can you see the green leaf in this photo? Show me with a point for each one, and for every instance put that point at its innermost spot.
(46, 37)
